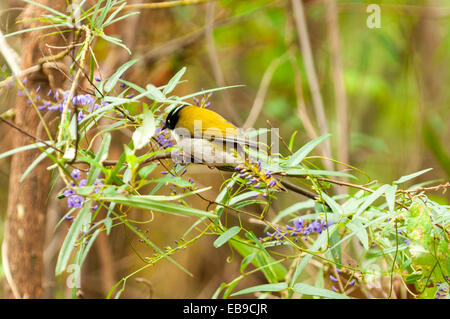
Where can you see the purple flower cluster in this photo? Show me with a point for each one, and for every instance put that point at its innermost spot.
(299, 228)
(74, 200)
(442, 291)
(335, 280)
(55, 101)
(163, 137)
(204, 101)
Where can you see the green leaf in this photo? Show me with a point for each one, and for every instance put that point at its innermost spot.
(371, 198)
(21, 149)
(298, 156)
(320, 241)
(390, 197)
(267, 287)
(39, 159)
(291, 141)
(306, 289)
(156, 205)
(145, 132)
(226, 236)
(153, 93)
(313, 172)
(80, 221)
(144, 171)
(335, 207)
(411, 176)
(88, 246)
(247, 260)
(360, 232)
(101, 155)
(174, 81)
(109, 85)
(293, 209)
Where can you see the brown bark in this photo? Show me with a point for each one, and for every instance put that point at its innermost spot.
(27, 203)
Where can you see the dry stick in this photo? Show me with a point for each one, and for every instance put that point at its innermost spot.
(160, 5)
(338, 80)
(260, 95)
(215, 63)
(305, 47)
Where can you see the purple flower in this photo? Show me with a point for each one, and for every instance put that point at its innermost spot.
(333, 279)
(76, 173)
(80, 116)
(407, 241)
(352, 283)
(68, 192)
(83, 183)
(99, 183)
(68, 218)
(97, 79)
(75, 201)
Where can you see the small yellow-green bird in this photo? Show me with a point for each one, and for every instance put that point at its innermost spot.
(209, 138)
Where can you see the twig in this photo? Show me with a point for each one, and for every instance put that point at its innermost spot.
(342, 183)
(160, 5)
(305, 47)
(425, 189)
(262, 90)
(30, 135)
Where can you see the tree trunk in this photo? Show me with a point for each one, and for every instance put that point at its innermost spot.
(22, 250)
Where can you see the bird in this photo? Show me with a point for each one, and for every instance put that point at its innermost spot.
(207, 137)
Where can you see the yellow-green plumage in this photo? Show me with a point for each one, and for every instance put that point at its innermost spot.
(210, 123)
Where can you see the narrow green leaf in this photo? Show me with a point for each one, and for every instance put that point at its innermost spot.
(411, 176)
(335, 207)
(320, 241)
(306, 289)
(153, 93)
(145, 132)
(156, 205)
(247, 260)
(267, 287)
(72, 236)
(21, 149)
(39, 159)
(144, 171)
(360, 232)
(109, 85)
(174, 81)
(226, 236)
(390, 197)
(293, 209)
(101, 155)
(291, 141)
(371, 198)
(298, 156)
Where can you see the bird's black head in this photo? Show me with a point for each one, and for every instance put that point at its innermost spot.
(172, 118)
